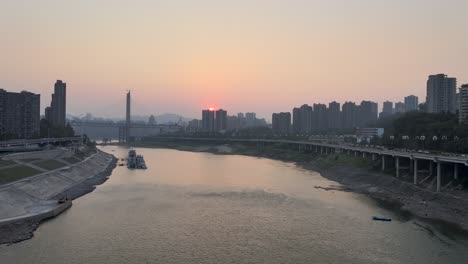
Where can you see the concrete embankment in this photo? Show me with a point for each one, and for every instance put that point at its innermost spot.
(27, 202)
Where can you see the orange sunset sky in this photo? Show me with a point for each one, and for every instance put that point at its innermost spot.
(257, 55)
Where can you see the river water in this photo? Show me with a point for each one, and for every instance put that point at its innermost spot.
(204, 208)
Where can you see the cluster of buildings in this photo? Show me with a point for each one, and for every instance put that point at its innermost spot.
(319, 117)
(441, 96)
(411, 103)
(20, 113)
(218, 121)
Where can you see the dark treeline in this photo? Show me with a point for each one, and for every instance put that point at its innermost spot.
(419, 130)
(49, 130)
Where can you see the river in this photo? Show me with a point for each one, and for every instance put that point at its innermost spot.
(204, 208)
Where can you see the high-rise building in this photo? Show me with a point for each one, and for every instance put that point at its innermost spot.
(19, 114)
(250, 119)
(399, 107)
(208, 120)
(242, 122)
(387, 109)
(302, 119)
(281, 122)
(411, 103)
(367, 113)
(320, 117)
(441, 94)
(463, 108)
(334, 115)
(349, 115)
(296, 120)
(221, 120)
(56, 113)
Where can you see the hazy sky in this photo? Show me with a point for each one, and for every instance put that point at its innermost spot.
(243, 55)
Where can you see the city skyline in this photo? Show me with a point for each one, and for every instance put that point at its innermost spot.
(280, 53)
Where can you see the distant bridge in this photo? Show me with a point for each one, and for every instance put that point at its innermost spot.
(112, 130)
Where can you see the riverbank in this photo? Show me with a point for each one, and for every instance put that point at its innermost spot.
(28, 202)
(446, 211)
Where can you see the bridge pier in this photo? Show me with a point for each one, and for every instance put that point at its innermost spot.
(383, 162)
(455, 171)
(415, 172)
(438, 175)
(397, 166)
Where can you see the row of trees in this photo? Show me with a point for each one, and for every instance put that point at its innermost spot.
(49, 130)
(419, 130)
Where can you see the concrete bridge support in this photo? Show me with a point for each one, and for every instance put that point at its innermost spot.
(455, 171)
(383, 162)
(415, 172)
(438, 175)
(397, 166)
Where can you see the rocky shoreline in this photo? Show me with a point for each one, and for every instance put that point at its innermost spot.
(448, 212)
(23, 229)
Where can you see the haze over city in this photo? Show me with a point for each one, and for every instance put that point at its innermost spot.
(259, 56)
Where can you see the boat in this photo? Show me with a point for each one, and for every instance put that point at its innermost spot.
(135, 161)
(379, 218)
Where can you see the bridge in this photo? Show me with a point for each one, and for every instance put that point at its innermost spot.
(25, 144)
(122, 131)
(113, 130)
(412, 159)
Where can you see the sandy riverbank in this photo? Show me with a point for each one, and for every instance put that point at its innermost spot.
(31, 201)
(447, 210)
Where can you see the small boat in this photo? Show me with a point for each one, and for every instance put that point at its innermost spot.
(379, 218)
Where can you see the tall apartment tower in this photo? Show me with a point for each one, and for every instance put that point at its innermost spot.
(320, 117)
(19, 115)
(411, 103)
(387, 109)
(349, 115)
(367, 113)
(463, 97)
(281, 122)
(399, 107)
(334, 115)
(441, 94)
(56, 114)
(221, 120)
(208, 120)
(302, 119)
